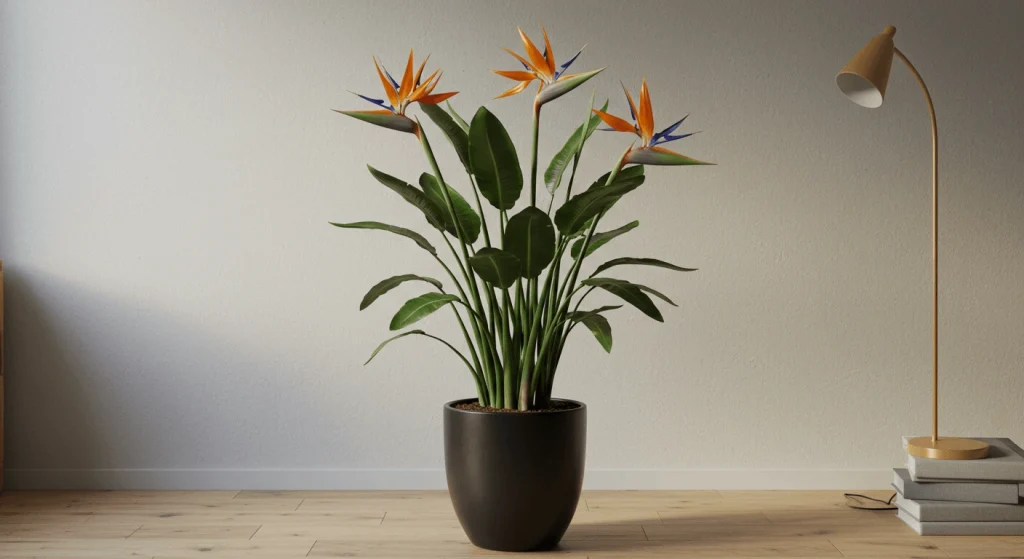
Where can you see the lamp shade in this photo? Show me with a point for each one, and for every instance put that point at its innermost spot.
(864, 78)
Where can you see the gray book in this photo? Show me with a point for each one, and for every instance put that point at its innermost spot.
(949, 511)
(972, 492)
(1005, 462)
(961, 528)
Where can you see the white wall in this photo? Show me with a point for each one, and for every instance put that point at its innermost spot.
(181, 315)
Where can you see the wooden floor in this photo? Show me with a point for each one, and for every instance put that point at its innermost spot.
(409, 524)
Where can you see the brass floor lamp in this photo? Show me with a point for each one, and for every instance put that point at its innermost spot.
(863, 81)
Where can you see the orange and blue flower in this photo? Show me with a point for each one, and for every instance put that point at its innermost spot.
(554, 82)
(649, 152)
(412, 89)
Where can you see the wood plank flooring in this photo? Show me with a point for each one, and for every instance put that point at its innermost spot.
(413, 524)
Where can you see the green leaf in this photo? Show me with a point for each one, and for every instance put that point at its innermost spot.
(458, 119)
(465, 213)
(560, 162)
(419, 307)
(626, 173)
(601, 239)
(391, 339)
(435, 215)
(407, 233)
(628, 292)
(639, 262)
(531, 237)
(492, 156)
(496, 267)
(574, 214)
(422, 333)
(563, 86)
(656, 293)
(576, 316)
(599, 326)
(458, 137)
(387, 285)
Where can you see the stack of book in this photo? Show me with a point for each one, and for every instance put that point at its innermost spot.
(964, 497)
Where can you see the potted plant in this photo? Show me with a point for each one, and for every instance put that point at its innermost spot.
(514, 455)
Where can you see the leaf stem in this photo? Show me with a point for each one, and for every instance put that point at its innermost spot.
(493, 359)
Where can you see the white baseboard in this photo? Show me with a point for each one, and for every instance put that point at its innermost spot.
(326, 479)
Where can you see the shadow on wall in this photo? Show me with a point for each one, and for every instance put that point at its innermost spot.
(97, 381)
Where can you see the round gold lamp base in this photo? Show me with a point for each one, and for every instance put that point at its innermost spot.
(947, 448)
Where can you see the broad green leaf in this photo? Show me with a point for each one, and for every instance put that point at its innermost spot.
(628, 292)
(601, 239)
(574, 214)
(407, 233)
(465, 213)
(458, 137)
(576, 316)
(496, 267)
(391, 339)
(640, 262)
(531, 237)
(458, 119)
(419, 307)
(624, 174)
(599, 326)
(656, 293)
(434, 214)
(492, 156)
(391, 283)
(560, 162)
(564, 85)
(401, 123)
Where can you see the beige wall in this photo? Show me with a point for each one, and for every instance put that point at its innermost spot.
(180, 314)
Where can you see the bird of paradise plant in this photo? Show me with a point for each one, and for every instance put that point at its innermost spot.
(518, 295)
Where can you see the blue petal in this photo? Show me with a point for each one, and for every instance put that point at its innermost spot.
(564, 67)
(669, 130)
(670, 138)
(378, 102)
(631, 115)
(388, 74)
(607, 130)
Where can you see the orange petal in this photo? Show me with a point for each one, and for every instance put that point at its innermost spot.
(525, 62)
(632, 105)
(388, 88)
(535, 55)
(516, 75)
(419, 72)
(645, 118)
(407, 83)
(420, 91)
(517, 89)
(431, 87)
(615, 122)
(437, 98)
(550, 53)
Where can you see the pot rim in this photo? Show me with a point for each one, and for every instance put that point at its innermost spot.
(451, 405)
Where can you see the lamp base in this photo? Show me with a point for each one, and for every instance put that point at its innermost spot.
(947, 448)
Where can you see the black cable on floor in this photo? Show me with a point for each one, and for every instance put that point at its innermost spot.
(852, 502)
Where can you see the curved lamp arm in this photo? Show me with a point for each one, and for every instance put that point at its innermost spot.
(935, 246)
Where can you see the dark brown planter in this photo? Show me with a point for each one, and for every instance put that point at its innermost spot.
(515, 478)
